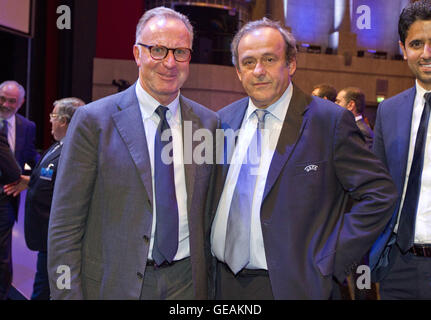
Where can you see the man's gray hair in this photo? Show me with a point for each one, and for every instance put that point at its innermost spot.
(66, 107)
(166, 13)
(14, 83)
(289, 39)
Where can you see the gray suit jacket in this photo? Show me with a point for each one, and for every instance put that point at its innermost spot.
(101, 214)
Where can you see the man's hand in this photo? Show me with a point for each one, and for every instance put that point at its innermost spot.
(15, 188)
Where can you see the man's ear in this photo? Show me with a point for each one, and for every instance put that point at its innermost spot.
(136, 51)
(351, 106)
(292, 67)
(403, 49)
(238, 73)
(23, 101)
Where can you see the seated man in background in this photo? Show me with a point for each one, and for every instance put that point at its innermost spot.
(39, 195)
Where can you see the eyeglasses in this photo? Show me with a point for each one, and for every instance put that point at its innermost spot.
(53, 116)
(160, 52)
(3, 99)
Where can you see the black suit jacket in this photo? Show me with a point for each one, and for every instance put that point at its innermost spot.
(9, 170)
(25, 151)
(39, 198)
(319, 160)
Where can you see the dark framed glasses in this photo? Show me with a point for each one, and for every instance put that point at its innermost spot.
(160, 52)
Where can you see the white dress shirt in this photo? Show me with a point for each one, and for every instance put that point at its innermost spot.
(273, 125)
(148, 106)
(423, 216)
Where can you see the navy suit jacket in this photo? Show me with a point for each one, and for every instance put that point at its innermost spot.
(308, 238)
(38, 200)
(9, 170)
(25, 151)
(391, 145)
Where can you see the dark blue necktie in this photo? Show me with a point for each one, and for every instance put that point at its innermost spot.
(237, 245)
(3, 128)
(166, 237)
(406, 227)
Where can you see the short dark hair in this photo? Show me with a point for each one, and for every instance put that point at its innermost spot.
(357, 96)
(326, 90)
(418, 10)
(289, 39)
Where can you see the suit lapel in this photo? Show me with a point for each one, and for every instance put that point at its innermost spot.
(190, 121)
(402, 125)
(294, 124)
(128, 121)
(19, 136)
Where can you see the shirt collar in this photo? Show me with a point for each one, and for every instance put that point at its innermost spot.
(11, 121)
(278, 109)
(420, 92)
(357, 118)
(148, 104)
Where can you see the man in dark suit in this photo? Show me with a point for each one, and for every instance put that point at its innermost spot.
(279, 230)
(9, 173)
(353, 99)
(39, 195)
(21, 131)
(20, 135)
(401, 258)
(127, 222)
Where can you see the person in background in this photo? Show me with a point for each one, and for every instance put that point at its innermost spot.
(40, 191)
(324, 91)
(20, 134)
(9, 173)
(353, 99)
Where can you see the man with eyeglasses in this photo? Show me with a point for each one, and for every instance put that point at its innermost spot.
(127, 223)
(39, 194)
(20, 134)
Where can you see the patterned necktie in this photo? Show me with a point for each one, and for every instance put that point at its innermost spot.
(4, 128)
(237, 245)
(166, 237)
(405, 233)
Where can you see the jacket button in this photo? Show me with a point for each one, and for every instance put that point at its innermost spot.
(146, 239)
(140, 275)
